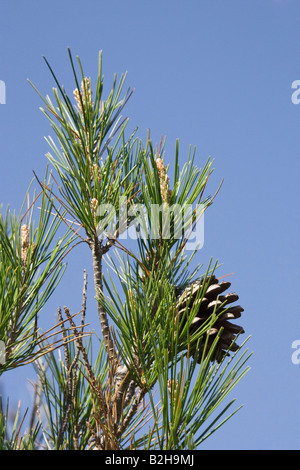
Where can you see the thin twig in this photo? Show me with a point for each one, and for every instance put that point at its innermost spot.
(36, 405)
(95, 384)
(69, 397)
(61, 202)
(132, 411)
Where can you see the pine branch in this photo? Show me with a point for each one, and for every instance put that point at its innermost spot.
(97, 255)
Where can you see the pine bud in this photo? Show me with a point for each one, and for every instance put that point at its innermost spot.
(164, 181)
(85, 95)
(94, 205)
(24, 243)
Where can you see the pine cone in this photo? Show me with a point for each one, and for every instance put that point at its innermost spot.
(212, 300)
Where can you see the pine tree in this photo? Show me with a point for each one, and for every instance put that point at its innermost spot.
(157, 373)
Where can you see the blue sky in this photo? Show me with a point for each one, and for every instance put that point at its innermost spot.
(217, 75)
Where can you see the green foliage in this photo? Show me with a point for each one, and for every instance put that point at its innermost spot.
(11, 439)
(67, 401)
(148, 381)
(188, 400)
(95, 162)
(30, 269)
